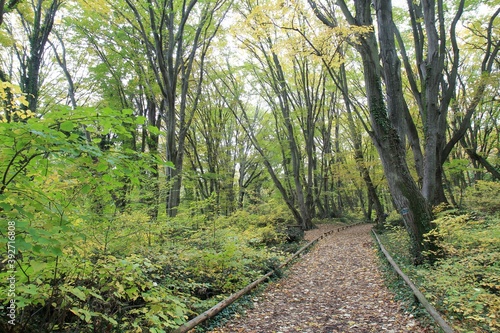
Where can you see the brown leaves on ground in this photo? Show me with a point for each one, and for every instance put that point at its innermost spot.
(336, 287)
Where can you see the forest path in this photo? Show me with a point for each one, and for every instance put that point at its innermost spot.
(336, 287)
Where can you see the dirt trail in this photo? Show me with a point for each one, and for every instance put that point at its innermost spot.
(336, 287)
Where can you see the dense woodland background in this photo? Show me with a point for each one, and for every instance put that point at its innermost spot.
(157, 155)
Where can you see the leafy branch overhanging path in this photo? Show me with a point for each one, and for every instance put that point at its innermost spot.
(336, 287)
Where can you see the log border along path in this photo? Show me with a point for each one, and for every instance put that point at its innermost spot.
(336, 287)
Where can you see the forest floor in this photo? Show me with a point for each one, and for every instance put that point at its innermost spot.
(335, 287)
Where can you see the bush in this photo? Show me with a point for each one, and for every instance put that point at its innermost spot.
(72, 284)
(89, 296)
(467, 281)
(484, 197)
(464, 285)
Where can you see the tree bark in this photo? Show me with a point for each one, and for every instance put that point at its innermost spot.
(438, 83)
(495, 173)
(163, 29)
(284, 99)
(358, 152)
(413, 207)
(40, 27)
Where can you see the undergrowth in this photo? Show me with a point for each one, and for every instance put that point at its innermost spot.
(393, 281)
(464, 285)
(150, 279)
(234, 310)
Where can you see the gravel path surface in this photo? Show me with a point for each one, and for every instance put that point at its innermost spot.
(336, 287)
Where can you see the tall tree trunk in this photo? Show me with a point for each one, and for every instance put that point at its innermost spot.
(176, 35)
(406, 195)
(154, 119)
(282, 90)
(327, 206)
(38, 30)
(358, 152)
(435, 118)
(437, 73)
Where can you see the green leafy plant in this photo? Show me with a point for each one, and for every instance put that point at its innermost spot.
(464, 284)
(483, 196)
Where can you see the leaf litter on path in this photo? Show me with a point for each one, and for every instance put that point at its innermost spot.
(336, 287)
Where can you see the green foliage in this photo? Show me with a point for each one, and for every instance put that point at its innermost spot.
(93, 295)
(464, 285)
(269, 224)
(468, 283)
(396, 240)
(394, 219)
(483, 197)
(94, 251)
(119, 271)
(456, 167)
(52, 178)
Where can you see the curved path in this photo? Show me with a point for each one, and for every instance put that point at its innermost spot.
(336, 287)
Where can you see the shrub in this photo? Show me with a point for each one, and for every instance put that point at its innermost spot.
(484, 197)
(464, 285)
(100, 295)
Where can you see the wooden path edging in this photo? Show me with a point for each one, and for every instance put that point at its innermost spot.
(427, 305)
(231, 299)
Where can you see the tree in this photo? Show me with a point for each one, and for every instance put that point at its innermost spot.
(357, 146)
(176, 36)
(293, 89)
(214, 142)
(37, 20)
(438, 63)
(386, 118)
(476, 104)
(5, 7)
(334, 64)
